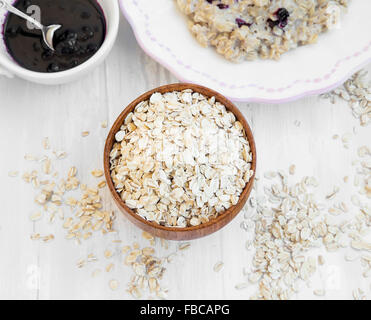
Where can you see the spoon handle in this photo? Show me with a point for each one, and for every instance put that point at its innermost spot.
(12, 9)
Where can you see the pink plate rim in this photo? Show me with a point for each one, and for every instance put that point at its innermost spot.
(251, 99)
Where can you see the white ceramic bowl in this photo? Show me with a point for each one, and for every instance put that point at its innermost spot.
(161, 30)
(10, 67)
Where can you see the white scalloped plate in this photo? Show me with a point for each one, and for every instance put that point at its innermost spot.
(162, 32)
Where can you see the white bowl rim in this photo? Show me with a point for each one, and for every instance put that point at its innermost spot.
(106, 46)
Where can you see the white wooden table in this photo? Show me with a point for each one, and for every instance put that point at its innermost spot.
(29, 112)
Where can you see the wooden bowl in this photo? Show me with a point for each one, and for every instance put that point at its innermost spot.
(174, 233)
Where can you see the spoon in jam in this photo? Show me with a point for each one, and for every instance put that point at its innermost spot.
(47, 31)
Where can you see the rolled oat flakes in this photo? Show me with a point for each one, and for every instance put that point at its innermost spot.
(180, 159)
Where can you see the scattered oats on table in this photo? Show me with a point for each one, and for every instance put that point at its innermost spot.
(218, 266)
(97, 173)
(30, 157)
(108, 253)
(109, 267)
(356, 91)
(81, 263)
(364, 176)
(96, 272)
(46, 143)
(36, 216)
(319, 292)
(13, 174)
(148, 271)
(52, 195)
(60, 154)
(113, 284)
(286, 223)
(101, 184)
(92, 257)
(180, 159)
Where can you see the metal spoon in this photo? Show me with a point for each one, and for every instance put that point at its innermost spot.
(47, 32)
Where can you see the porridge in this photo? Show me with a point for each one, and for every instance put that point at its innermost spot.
(248, 29)
(180, 159)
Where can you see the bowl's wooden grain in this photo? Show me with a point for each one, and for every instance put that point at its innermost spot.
(173, 233)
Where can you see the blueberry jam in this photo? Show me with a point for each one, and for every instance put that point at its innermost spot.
(81, 35)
